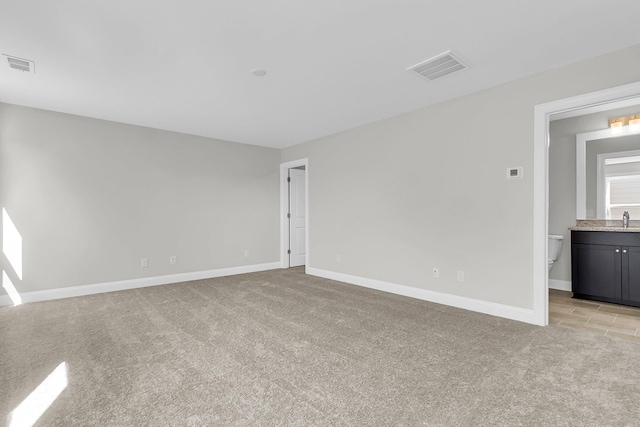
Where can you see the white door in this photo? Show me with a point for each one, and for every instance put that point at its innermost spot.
(297, 216)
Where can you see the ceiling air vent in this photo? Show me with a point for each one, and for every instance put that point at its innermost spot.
(21, 64)
(439, 66)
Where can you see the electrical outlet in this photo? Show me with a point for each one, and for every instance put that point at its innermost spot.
(460, 276)
(172, 259)
(246, 253)
(144, 262)
(436, 272)
(338, 258)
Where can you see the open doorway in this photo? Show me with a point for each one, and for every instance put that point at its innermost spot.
(582, 104)
(581, 187)
(294, 226)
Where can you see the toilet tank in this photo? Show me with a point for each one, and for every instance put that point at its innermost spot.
(555, 245)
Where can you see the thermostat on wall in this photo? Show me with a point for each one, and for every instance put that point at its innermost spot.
(514, 173)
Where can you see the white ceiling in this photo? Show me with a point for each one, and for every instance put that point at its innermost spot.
(331, 65)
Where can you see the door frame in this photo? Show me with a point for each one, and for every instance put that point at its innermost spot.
(542, 114)
(284, 209)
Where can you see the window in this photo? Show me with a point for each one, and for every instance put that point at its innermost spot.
(619, 181)
(623, 194)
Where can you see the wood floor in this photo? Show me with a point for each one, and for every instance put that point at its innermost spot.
(592, 316)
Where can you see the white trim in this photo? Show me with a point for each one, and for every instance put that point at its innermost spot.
(581, 167)
(492, 308)
(540, 215)
(581, 177)
(560, 285)
(601, 186)
(284, 200)
(596, 109)
(98, 288)
(542, 113)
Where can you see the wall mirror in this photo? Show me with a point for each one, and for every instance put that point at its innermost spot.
(608, 174)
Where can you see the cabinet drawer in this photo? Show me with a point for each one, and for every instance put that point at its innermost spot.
(605, 238)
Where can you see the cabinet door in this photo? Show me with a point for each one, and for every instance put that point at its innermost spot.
(596, 271)
(632, 261)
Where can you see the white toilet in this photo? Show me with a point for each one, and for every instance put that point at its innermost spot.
(555, 245)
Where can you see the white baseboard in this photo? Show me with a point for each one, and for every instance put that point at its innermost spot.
(494, 309)
(98, 288)
(561, 285)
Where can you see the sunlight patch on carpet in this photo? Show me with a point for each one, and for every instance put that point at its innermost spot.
(31, 409)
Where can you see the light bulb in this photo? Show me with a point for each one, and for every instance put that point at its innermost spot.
(616, 127)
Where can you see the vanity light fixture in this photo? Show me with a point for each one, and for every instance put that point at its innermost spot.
(618, 123)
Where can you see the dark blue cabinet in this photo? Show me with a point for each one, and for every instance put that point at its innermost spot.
(605, 266)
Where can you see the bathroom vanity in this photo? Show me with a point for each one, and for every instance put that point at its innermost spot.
(605, 264)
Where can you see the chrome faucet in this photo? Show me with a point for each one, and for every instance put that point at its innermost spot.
(625, 219)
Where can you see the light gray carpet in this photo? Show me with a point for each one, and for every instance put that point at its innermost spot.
(282, 348)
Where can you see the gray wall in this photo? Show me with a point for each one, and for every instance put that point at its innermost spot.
(428, 188)
(91, 198)
(562, 178)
